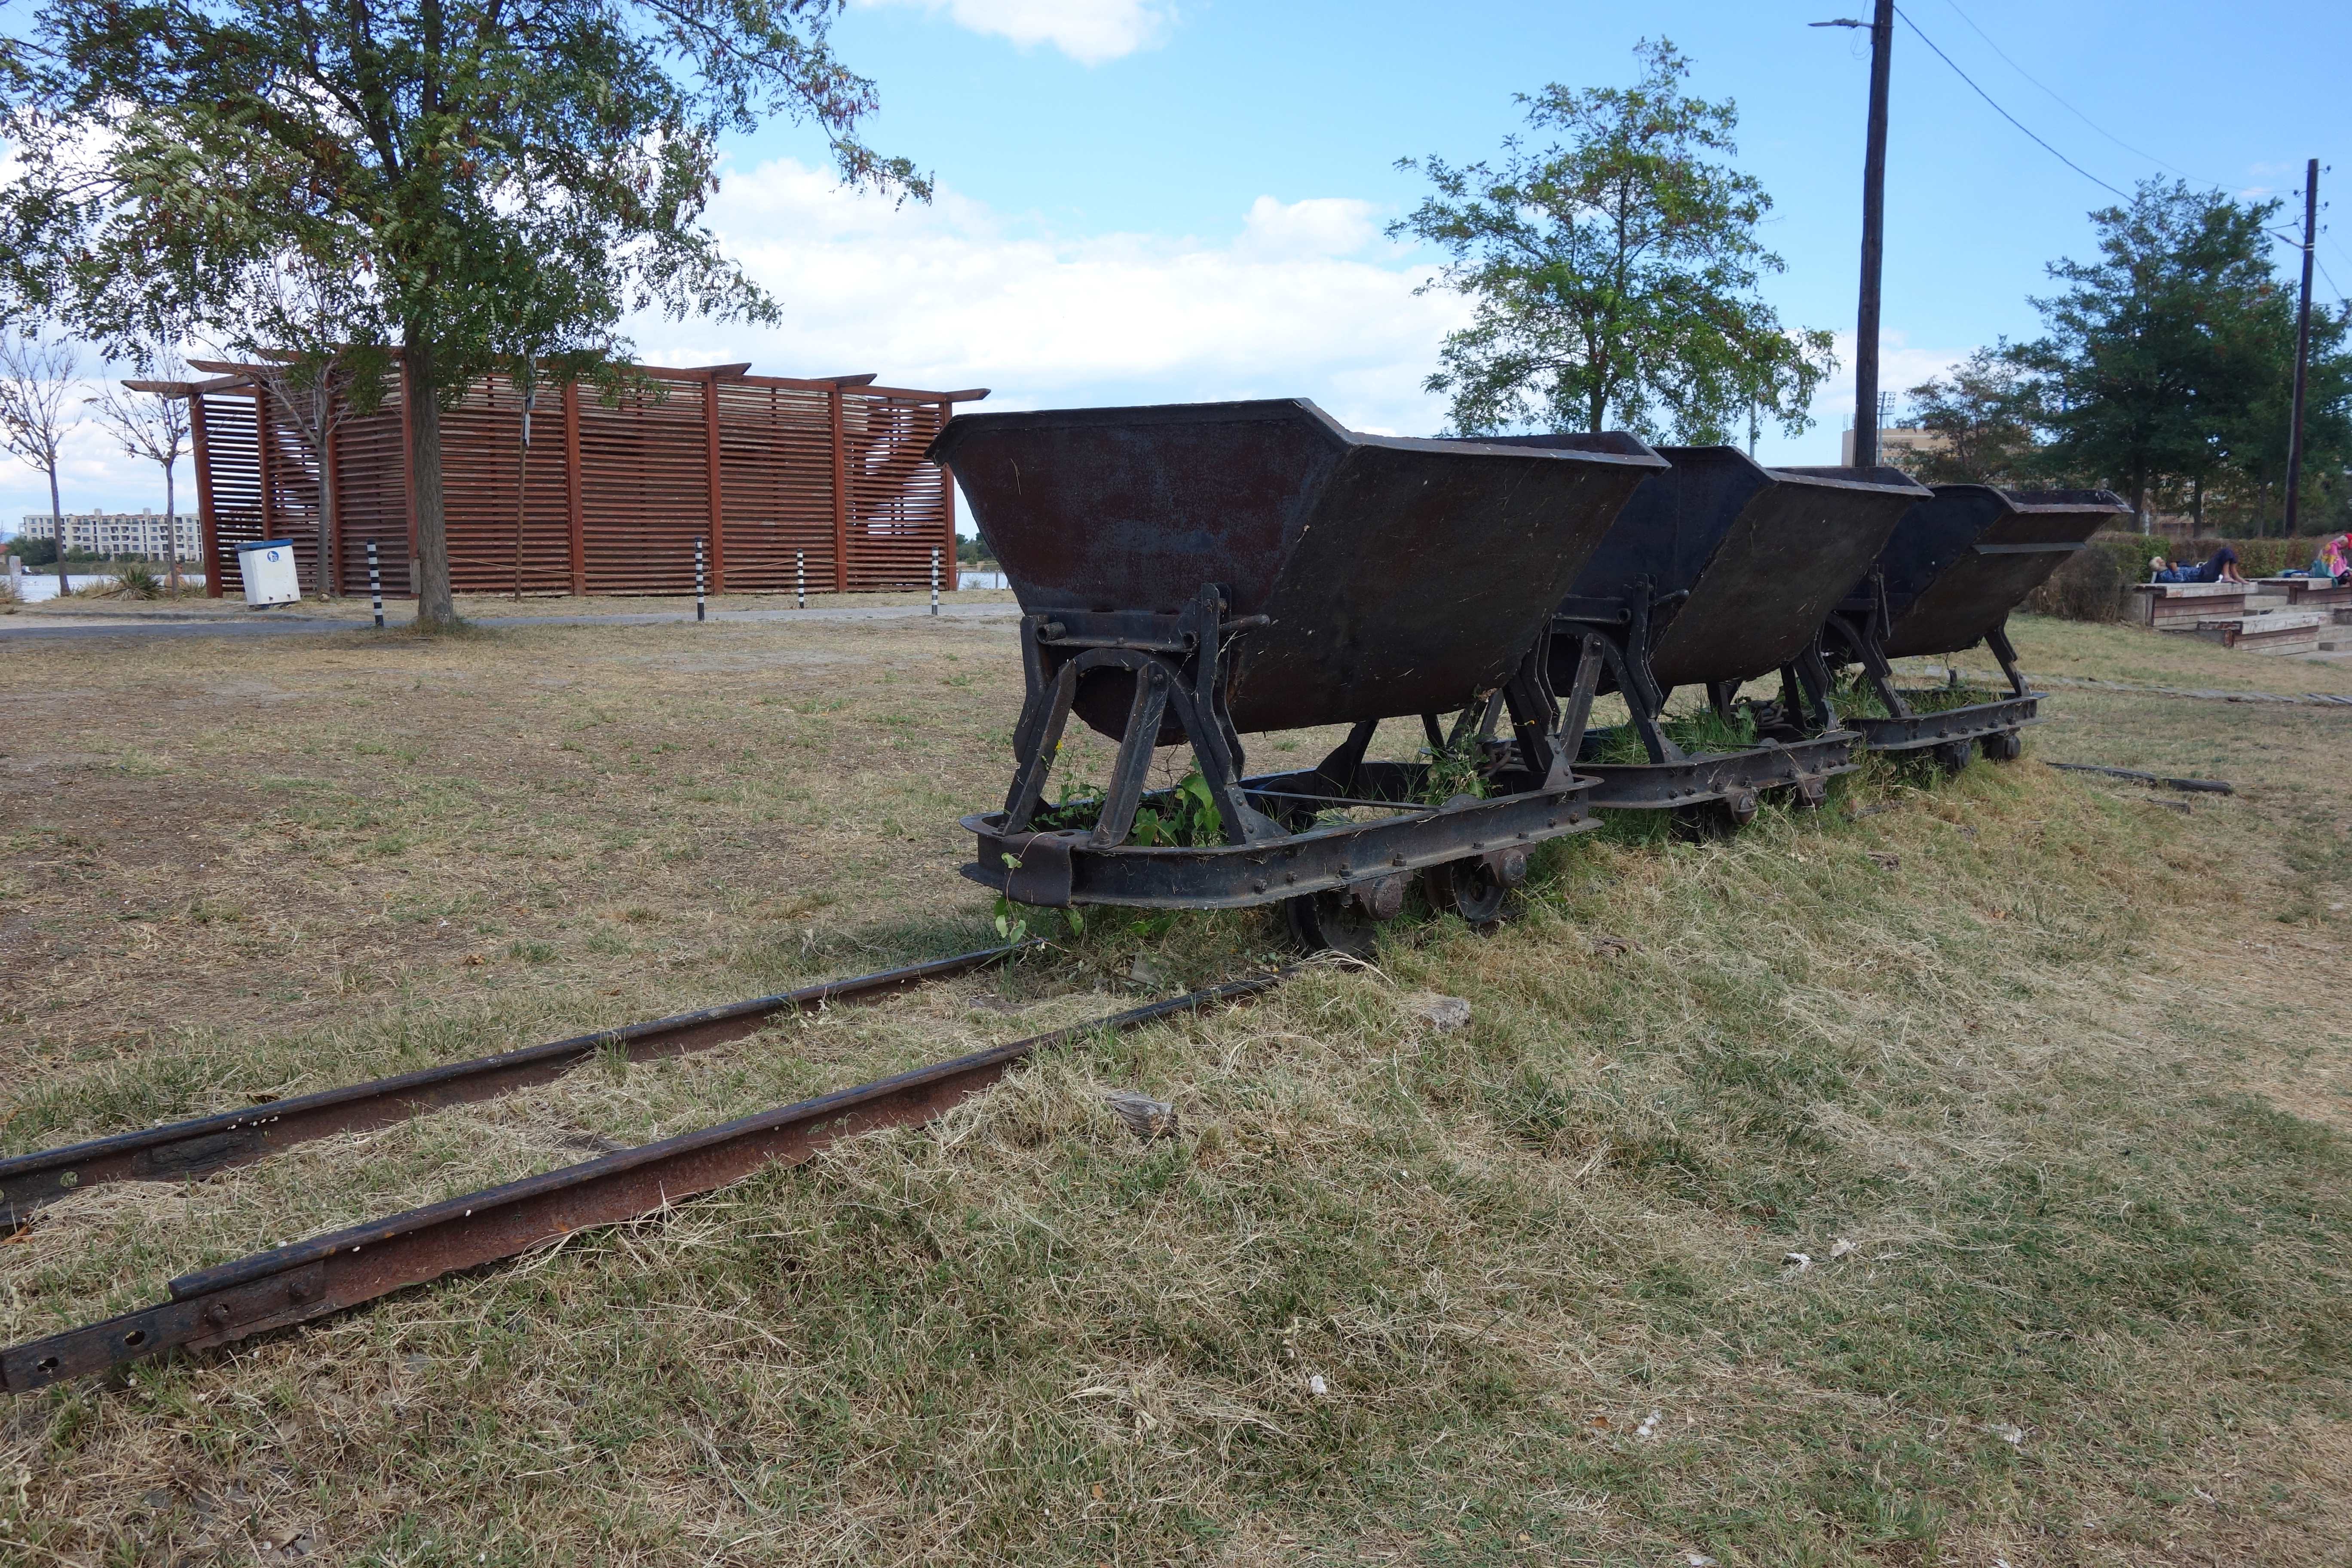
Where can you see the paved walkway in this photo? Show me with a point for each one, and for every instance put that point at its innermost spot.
(264, 623)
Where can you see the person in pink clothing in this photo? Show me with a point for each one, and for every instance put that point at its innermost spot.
(2334, 559)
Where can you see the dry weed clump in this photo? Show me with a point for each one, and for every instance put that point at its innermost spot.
(1514, 1291)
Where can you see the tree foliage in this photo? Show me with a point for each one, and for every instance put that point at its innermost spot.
(1613, 273)
(457, 185)
(1982, 413)
(2165, 364)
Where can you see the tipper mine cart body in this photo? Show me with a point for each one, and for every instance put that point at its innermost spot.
(1196, 573)
(1958, 564)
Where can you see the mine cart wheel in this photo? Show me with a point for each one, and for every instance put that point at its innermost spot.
(1812, 794)
(2005, 747)
(1712, 819)
(1331, 923)
(1473, 888)
(1953, 755)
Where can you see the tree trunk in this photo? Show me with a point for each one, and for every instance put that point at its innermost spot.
(435, 611)
(2139, 505)
(58, 522)
(171, 532)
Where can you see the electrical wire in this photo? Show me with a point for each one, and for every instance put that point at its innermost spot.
(2004, 113)
(2061, 103)
(2331, 282)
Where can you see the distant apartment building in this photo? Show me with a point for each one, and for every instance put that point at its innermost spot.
(147, 533)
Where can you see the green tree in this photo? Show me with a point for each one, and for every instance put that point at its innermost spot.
(1983, 411)
(2156, 356)
(1613, 273)
(2252, 450)
(464, 185)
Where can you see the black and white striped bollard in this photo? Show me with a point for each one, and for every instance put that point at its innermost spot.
(698, 614)
(935, 582)
(375, 586)
(800, 577)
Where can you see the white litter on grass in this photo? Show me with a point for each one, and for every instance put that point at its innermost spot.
(1316, 1386)
(1799, 1261)
(2005, 1432)
(1840, 1247)
(1699, 1560)
(1442, 1014)
(1649, 1426)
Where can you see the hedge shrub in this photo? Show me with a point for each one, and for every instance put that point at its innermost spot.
(2095, 584)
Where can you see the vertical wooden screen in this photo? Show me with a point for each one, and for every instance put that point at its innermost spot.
(371, 496)
(617, 489)
(776, 465)
(897, 502)
(233, 461)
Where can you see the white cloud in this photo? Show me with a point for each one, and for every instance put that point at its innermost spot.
(1089, 31)
(1323, 226)
(1303, 302)
(951, 296)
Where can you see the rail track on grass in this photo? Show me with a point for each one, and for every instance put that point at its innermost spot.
(345, 1269)
(181, 1151)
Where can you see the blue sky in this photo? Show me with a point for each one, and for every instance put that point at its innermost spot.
(1146, 201)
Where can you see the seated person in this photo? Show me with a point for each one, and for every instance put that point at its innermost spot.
(2334, 559)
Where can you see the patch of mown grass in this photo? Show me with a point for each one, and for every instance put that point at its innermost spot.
(1971, 1034)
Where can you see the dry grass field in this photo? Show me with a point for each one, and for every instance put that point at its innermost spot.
(2048, 1080)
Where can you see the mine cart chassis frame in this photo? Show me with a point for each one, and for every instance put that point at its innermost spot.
(1811, 747)
(1951, 735)
(1469, 850)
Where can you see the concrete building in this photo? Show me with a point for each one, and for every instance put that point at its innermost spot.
(1895, 442)
(146, 533)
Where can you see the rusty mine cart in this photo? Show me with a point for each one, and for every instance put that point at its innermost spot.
(1959, 563)
(1195, 572)
(1717, 572)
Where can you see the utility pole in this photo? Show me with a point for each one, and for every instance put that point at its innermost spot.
(2301, 346)
(1873, 232)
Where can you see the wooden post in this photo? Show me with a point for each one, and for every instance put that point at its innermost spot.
(208, 527)
(840, 495)
(947, 478)
(574, 510)
(408, 467)
(717, 507)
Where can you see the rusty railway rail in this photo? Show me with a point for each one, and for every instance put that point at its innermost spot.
(180, 1151)
(344, 1268)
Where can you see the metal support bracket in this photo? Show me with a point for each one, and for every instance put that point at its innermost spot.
(1174, 661)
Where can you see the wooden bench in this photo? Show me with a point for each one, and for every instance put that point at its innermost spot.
(2183, 604)
(2309, 592)
(2280, 632)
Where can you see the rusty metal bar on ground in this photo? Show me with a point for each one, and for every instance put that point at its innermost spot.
(2189, 786)
(330, 1273)
(183, 1150)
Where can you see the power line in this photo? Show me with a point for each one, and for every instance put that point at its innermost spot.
(2004, 113)
(2331, 280)
(2061, 103)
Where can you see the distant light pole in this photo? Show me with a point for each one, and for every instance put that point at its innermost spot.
(1873, 232)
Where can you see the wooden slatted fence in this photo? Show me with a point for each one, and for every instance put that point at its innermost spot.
(770, 474)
